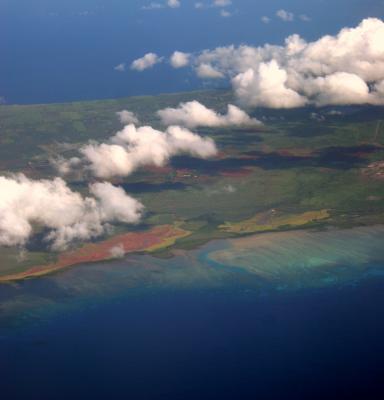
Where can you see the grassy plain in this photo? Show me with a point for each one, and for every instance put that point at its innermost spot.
(304, 168)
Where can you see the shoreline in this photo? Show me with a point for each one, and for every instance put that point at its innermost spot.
(157, 238)
(118, 246)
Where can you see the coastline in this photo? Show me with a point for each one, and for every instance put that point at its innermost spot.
(165, 236)
(118, 246)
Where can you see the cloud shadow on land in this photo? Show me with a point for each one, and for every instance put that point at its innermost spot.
(243, 138)
(330, 157)
(145, 187)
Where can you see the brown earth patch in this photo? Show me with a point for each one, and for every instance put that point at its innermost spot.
(295, 152)
(153, 239)
(158, 170)
(236, 173)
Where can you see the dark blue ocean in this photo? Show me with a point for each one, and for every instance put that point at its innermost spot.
(180, 341)
(56, 50)
(287, 315)
(204, 344)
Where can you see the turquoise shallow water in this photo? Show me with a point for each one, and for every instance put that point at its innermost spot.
(304, 258)
(285, 315)
(286, 261)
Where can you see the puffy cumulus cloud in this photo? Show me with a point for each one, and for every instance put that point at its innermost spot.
(265, 19)
(339, 88)
(145, 62)
(51, 204)
(266, 87)
(65, 166)
(194, 114)
(153, 6)
(222, 3)
(157, 6)
(134, 147)
(114, 204)
(119, 67)
(304, 17)
(379, 88)
(346, 68)
(225, 14)
(285, 15)
(127, 117)
(214, 3)
(228, 61)
(173, 3)
(357, 50)
(207, 71)
(117, 251)
(179, 59)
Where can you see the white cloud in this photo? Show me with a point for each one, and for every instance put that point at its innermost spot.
(64, 166)
(229, 189)
(285, 15)
(379, 88)
(339, 88)
(153, 6)
(207, 71)
(266, 87)
(214, 3)
(120, 67)
(225, 14)
(226, 189)
(127, 117)
(51, 204)
(145, 62)
(156, 6)
(115, 204)
(117, 251)
(334, 112)
(304, 18)
(265, 19)
(173, 3)
(134, 147)
(222, 3)
(193, 114)
(300, 72)
(179, 59)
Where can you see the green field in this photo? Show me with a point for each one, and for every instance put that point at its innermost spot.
(301, 162)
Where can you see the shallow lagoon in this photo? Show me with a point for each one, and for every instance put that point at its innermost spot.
(269, 316)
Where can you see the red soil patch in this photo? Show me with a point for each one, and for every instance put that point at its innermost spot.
(326, 170)
(93, 252)
(221, 155)
(249, 156)
(236, 173)
(158, 170)
(130, 242)
(295, 152)
(362, 154)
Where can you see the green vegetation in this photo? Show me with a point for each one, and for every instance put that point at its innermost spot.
(311, 173)
(273, 220)
(13, 261)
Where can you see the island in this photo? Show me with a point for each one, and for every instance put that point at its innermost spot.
(301, 169)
